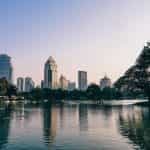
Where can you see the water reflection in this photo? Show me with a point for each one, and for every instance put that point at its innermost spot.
(83, 117)
(71, 127)
(49, 124)
(62, 116)
(23, 121)
(5, 119)
(135, 125)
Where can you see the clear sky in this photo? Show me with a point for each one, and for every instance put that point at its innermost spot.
(99, 36)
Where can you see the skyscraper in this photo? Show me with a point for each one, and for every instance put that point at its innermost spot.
(50, 73)
(105, 82)
(20, 84)
(82, 80)
(29, 84)
(42, 84)
(63, 82)
(6, 69)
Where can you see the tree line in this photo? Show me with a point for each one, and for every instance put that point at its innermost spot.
(93, 92)
(6, 88)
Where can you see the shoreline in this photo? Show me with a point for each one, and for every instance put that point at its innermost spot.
(81, 102)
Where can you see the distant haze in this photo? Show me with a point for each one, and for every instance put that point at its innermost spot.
(98, 36)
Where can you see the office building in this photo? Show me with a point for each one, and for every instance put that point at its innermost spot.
(42, 84)
(6, 69)
(50, 74)
(29, 84)
(105, 82)
(20, 84)
(82, 80)
(63, 82)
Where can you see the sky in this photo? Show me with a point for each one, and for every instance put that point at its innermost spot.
(98, 36)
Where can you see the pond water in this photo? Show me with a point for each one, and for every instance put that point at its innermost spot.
(74, 127)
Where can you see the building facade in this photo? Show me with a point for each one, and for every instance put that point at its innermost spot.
(71, 86)
(6, 69)
(63, 83)
(20, 84)
(42, 84)
(82, 80)
(105, 82)
(29, 84)
(50, 74)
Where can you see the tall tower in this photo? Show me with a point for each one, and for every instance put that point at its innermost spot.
(6, 69)
(20, 84)
(82, 80)
(29, 84)
(50, 73)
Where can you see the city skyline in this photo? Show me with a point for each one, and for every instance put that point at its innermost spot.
(80, 34)
(51, 79)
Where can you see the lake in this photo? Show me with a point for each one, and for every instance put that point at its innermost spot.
(74, 127)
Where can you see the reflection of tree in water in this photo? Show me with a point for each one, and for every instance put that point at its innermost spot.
(106, 111)
(5, 118)
(83, 117)
(136, 127)
(49, 124)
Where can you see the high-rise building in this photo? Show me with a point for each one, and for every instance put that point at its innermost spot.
(6, 69)
(82, 80)
(29, 84)
(63, 82)
(50, 74)
(105, 82)
(42, 84)
(20, 84)
(71, 86)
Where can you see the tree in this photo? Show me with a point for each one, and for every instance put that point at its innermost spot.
(36, 94)
(93, 92)
(11, 90)
(6, 88)
(137, 78)
(3, 86)
(107, 93)
(142, 74)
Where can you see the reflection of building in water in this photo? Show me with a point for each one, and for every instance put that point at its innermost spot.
(49, 124)
(5, 119)
(135, 125)
(83, 117)
(62, 116)
(65, 116)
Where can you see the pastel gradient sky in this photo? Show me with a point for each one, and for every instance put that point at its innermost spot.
(98, 36)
